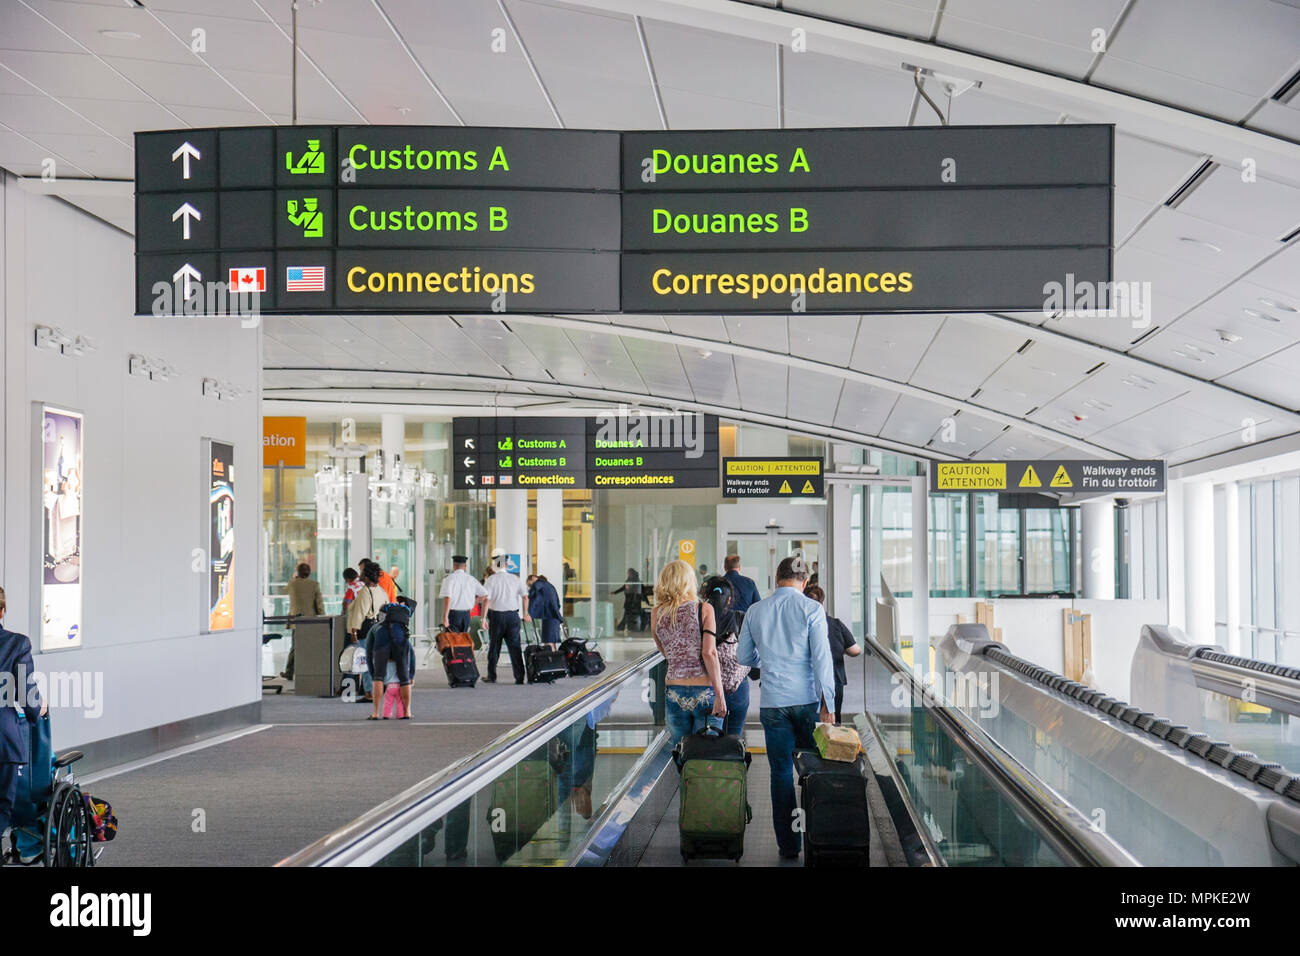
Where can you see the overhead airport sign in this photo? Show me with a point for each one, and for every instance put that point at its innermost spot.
(773, 478)
(1123, 477)
(358, 219)
(631, 450)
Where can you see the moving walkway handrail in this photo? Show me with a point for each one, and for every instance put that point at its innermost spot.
(1070, 833)
(378, 831)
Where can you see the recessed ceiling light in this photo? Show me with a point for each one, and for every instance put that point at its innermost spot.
(402, 109)
(1256, 314)
(1203, 243)
(1274, 304)
(119, 34)
(704, 353)
(1226, 336)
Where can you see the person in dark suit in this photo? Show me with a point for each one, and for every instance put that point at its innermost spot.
(17, 686)
(544, 606)
(744, 591)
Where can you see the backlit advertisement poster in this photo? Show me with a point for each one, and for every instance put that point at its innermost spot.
(61, 496)
(221, 543)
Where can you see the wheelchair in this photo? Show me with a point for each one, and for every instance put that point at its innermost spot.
(51, 822)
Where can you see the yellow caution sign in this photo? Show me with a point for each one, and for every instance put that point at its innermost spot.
(1061, 479)
(971, 476)
(760, 466)
(808, 489)
(1030, 478)
(785, 488)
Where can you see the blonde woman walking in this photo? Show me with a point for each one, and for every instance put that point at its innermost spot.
(683, 630)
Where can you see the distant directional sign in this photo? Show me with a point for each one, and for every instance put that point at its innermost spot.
(1068, 477)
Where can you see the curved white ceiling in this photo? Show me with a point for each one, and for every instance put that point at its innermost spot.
(1193, 86)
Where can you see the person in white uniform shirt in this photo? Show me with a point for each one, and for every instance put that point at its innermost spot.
(459, 591)
(507, 597)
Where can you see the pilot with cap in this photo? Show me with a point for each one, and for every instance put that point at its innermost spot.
(507, 597)
(460, 592)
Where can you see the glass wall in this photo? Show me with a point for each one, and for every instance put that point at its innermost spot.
(1268, 550)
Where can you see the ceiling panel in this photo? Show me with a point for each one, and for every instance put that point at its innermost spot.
(763, 385)
(829, 339)
(892, 345)
(864, 408)
(908, 17)
(713, 379)
(1182, 237)
(592, 65)
(768, 332)
(1056, 37)
(963, 355)
(914, 420)
(813, 397)
(827, 91)
(1017, 444)
(1150, 171)
(1260, 207)
(1190, 53)
(1282, 274)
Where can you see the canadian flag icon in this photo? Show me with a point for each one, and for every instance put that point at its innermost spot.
(251, 279)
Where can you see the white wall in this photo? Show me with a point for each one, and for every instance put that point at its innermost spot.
(1031, 628)
(144, 504)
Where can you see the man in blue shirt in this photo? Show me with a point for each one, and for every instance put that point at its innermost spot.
(785, 635)
(744, 591)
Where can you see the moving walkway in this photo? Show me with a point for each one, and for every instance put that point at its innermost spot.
(984, 760)
(1252, 704)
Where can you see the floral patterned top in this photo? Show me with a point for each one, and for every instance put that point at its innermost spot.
(679, 633)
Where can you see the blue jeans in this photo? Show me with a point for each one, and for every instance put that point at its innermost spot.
(785, 730)
(687, 708)
(737, 708)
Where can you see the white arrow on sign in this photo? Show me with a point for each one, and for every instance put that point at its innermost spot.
(185, 214)
(187, 274)
(184, 152)
(469, 444)
(469, 462)
(469, 479)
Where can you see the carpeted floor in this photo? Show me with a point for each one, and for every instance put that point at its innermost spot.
(319, 764)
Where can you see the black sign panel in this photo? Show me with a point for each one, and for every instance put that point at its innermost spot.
(1050, 475)
(355, 219)
(869, 219)
(502, 158)
(890, 158)
(478, 218)
(629, 451)
(773, 477)
(869, 281)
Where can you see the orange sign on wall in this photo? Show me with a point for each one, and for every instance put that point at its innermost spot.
(686, 551)
(284, 440)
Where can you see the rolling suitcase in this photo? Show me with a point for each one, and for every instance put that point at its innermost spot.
(714, 799)
(833, 794)
(542, 662)
(458, 662)
(522, 801)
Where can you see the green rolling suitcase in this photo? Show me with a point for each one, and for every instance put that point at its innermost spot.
(714, 799)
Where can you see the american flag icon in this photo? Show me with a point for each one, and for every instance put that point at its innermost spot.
(304, 279)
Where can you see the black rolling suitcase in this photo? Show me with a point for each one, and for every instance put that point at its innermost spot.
(543, 663)
(833, 794)
(458, 662)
